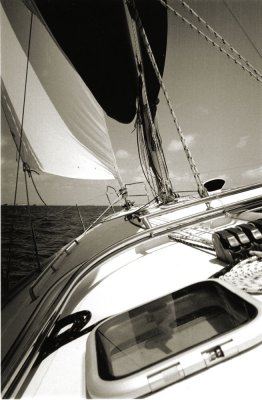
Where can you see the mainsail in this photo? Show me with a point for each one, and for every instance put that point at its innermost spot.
(49, 108)
(95, 37)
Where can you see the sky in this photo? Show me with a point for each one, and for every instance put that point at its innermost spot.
(217, 104)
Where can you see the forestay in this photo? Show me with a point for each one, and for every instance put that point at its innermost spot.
(63, 127)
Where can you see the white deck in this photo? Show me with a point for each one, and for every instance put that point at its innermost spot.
(133, 278)
(143, 271)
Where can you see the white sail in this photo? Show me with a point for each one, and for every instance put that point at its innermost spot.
(64, 128)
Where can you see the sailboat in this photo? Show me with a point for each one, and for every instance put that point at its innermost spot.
(157, 300)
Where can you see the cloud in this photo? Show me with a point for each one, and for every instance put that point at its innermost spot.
(123, 171)
(242, 142)
(3, 160)
(176, 145)
(187, 177)
(139, 178)
(122, 154)
(8, 163)
(207, 176)
(4, 141)
(253, 173)
(138, 169)
(202, 110)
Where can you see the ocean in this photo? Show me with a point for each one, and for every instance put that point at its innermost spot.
(51, 226)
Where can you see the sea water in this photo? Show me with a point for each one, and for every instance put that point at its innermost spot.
(30, 236)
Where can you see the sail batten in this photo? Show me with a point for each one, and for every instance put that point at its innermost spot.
(64, 129)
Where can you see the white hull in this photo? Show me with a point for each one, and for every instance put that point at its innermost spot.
(128, 266)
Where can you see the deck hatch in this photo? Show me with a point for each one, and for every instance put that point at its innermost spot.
(164, 341)
(167, 327)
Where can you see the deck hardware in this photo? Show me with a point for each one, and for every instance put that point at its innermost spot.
(60, 336)
(80, 217)
(69, 249)
(215, 353)
(219, 353)
(32, 294)
(165, 377)
(146, 223)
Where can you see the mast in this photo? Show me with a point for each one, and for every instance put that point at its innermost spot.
(143, 36)
(147, 122)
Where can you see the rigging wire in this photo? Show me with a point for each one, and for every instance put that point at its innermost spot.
(103, 213)
(201, 188)
(25, 167)
(252, 73)
(145, 205)
(159, 153)
(29, 172)
(19, 156)
(144, 160)
(218, 36)
(242, 28)
(23, 110)
(37, 191)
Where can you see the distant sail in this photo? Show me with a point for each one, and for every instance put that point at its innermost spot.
(64, 129)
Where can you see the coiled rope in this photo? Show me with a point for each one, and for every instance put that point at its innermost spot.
(246, 275)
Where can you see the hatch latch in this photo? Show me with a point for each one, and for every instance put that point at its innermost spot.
(165, 377)
(219, 353)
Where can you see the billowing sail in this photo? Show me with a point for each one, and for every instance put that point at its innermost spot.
(95, 37)
(64, 129)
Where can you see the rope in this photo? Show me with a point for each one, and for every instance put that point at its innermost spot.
(144, 160)
(246, 275)
(243, 30)
(51, 214)
(138, 211)
(104, 212)
(252, 73)
(30, 219)
(218, 36)
(19, 154)
(159, 153)
(23, 110)
(29, 172)
(201, 189)
(190, 244)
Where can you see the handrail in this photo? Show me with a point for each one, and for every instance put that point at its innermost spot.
(179, 206)
(59, 302)
(138, 195)
(152, 230)
(108, 198)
